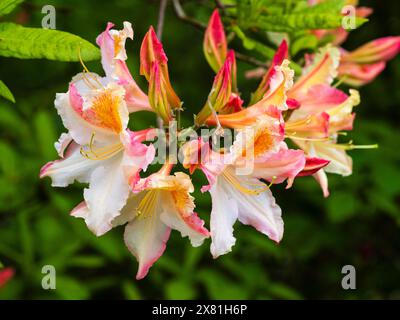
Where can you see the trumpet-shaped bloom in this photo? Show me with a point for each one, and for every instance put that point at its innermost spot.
(98, 148)
(158, 203)
(110, 169)
(236, 190)
(323, 111)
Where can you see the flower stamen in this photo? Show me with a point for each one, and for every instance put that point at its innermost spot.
(237, 184)
(100, 153)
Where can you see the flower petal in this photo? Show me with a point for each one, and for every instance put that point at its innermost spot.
(100, 119)
(315, 126)
(224, 214)
(259, 211)
(146, 239)
(73, 167)
(280, 83)
(340, 162)
(318, 98)
(103, 106)
(189, 226)
(108, 192)
(313, 165)
(382, 49)
(322, 71)
(341, 116)
(221, 90)
(357, 75)
(215, 45)
(279, 166)
(62, 143)
(112, 45)
(322, 179)
(138, 155)
(113, 56)
(280, 55)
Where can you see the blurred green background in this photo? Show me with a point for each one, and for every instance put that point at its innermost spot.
(357, 225)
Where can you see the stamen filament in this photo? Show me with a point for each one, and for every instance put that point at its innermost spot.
(236, 183)
(101, 153)
(86, 70)
(305, 139)
(147, 204)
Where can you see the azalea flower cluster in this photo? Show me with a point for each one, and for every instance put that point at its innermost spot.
(306, 112)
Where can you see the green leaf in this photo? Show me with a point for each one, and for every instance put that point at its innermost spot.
(308, 41)
(180, 290)
(131, 292)
(7, 6)
(87, 261)
(341, 206)
(281, 291)
(302, 21)
(6, 93)
(46, 134)
(325, 7)
(219, 286)
(251, 44)
(33, 43)
(70, 289)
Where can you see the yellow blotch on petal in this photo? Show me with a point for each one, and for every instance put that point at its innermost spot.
(117, 45)
(183, 201)
(262, 142)
(106, 109)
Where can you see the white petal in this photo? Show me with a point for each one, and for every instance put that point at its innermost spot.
(73, 108)
(224, 213)
(107, 194)
(62, 143)
(146, 239)
(259, 211)
(79, 129)
(128, 213)
(73, 167)
(340, 162)
(322, 179)
(172, 218)
(80, 211)
(262, 212)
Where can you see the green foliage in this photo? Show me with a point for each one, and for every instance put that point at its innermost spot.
(5, 92)
(292, 19)
(7, 6)
(358, 224)
(289, 16)
(303, 41)
(33, 43)
(251, 44)
(300, 21)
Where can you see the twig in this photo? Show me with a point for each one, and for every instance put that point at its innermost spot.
(220, 5)
(181, 14)
(161, 18)
(250, 60)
